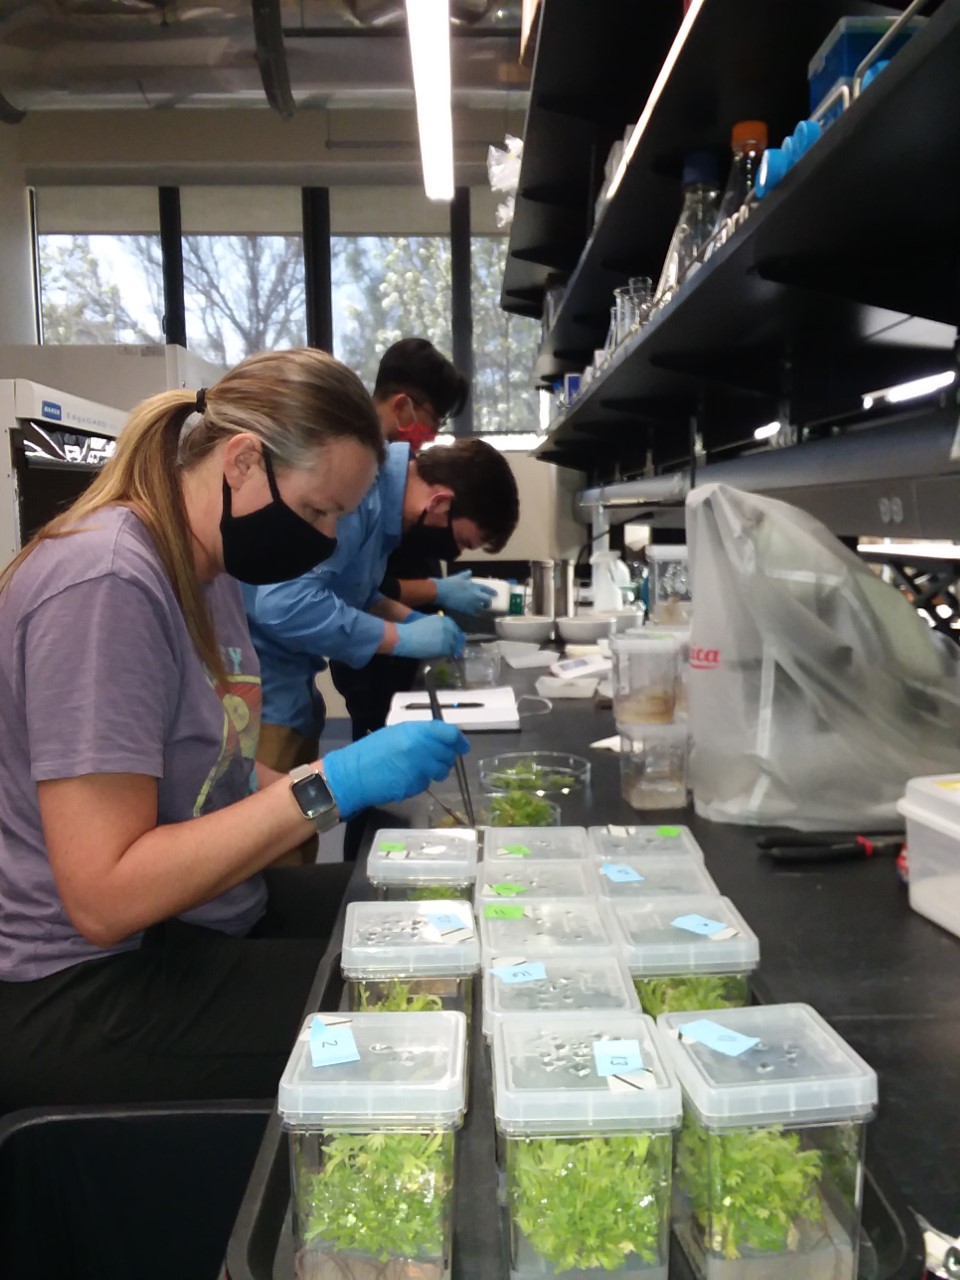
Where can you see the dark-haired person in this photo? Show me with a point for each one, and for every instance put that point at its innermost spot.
(444, 500)
(142, 954)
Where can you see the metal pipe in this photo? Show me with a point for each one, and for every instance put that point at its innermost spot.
(654, 490)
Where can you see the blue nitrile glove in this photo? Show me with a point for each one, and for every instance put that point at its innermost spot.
(392, 764)
(459, 593)
(412, 616)
(429, 638)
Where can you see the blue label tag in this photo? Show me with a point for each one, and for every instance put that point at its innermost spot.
(619, 873)
(699, 924)
(332, 1045)
(514, 973)
(446, 921)
(614, 1057)
(722, 1039)
(50, 409)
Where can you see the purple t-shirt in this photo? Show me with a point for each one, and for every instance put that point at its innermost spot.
(98, 674)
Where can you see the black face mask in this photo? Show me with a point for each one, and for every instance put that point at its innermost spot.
(436, 544)
(273, 544)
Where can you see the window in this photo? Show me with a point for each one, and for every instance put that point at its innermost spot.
(386, 288)
(505, 350)
(243, 275)
(98, 256)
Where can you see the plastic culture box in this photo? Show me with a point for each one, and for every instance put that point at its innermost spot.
(526, 929)
(410, 865)
(515, 843)
(653, 875)
(521, 879)
(586, 1112)
(769, 1165)
(686, 953)
(615, 843)
(559, 983)
(410, 957)
(931, 807)
(371, 1102)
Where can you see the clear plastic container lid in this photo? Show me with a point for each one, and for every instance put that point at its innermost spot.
(934, 799)
(535, 842)
(519, 879)
(405, 857)
(796, 1071)
(579, 1073)
(659, 642)
(653, 941)
(655, 874)
(408, 1072)
(410, 940)
(556, 983)
(614, 842)
(523, 929)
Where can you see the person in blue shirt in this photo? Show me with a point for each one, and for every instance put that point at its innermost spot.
(446, 500)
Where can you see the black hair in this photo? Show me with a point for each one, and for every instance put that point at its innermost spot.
(416, 368)
(484, 488)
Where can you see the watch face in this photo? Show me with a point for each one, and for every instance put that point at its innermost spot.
(313, 795)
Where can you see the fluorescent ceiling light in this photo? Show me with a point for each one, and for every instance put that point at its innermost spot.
(428, 25)
(766, 431)
(910, 390)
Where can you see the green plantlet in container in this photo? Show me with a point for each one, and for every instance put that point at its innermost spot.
(749, 1189)
(397, 997)
(438, 892)
(678, 993)
(520, 809)
(590, 1203)
(378, 1195)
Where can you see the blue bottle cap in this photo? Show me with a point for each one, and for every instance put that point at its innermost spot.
(774, 167)
(804, 136)
(871, 73)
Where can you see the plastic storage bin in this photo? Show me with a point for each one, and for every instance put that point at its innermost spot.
(931, 807)
(406, 865)
(615, 843)
(372, 1144)
(654, 875)
(669, 585)
(846, 47)
(560, 983)
(532, 842)
(520, 879)
(769, 1168)
(402, 957)
(586, 1155)
(686, 953)
(525, 929)
(646, 677)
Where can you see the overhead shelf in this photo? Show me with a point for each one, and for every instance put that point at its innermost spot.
(576, 111)
(814, 299)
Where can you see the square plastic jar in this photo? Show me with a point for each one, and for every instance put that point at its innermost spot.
(669, 585)
(372, 1145)
(523, 879)
(551, 843)
(586, 1154)
(416, 865)
(769, 1167)
(410, 957)
(686, 953)
(526, 929)
(614, 843)
(655, 875)
(560, 982)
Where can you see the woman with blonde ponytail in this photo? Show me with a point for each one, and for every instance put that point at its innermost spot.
(143, 954)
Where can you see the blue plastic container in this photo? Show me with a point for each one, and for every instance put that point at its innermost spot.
(846, 47)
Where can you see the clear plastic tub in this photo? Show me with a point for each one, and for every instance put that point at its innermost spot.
(669, 590)
(654, 875)
(523, 879)
(679, 963)
(410, 957)
(531, 842)
(615, 843)
(525, 929)
(372, 1144)
(569, 984)
(646, 678)
(545, 773)
(931, 807)
(846, 47)
(407, 866)
(586, 1155)
(769, 1170)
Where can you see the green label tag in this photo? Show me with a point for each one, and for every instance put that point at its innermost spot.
(668, 831)
(392, 846)
(515, 850)
(508, 890)
(503, 911)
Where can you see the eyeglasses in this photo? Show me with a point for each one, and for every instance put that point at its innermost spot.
(433, 418)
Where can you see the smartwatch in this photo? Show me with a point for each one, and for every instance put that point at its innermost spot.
(314, 798)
